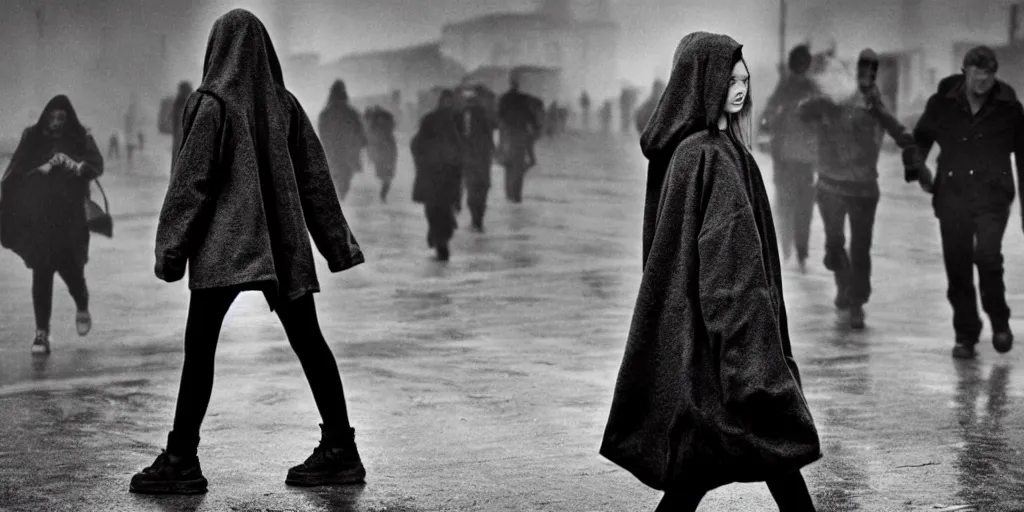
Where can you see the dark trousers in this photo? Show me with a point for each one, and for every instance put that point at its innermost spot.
(42, 291)
(441, 223)
(972, 239)
(790, 493)
(852, 269)
(476, 200)
(794, 206)
(342, 183)
(202, 330)
(515, 174)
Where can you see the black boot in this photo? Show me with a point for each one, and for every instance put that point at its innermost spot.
(170, 475)
(175, 471)
(335, 462)
(1002, 340)
(443, 254)
(965, 348)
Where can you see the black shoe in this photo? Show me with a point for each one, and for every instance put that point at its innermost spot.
(182, 476)
(334, 462)
(1003, 341)
(857, 317)
(964, 349)
(442, 252)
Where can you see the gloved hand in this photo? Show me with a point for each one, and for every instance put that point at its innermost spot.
(169, 270)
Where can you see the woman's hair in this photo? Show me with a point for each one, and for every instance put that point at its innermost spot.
(739, 126)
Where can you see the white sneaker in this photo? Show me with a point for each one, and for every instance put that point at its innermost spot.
(83, 322)
(41, 345)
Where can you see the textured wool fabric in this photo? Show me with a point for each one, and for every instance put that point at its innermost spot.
(708, 392)
(42, 216)
(250, 178)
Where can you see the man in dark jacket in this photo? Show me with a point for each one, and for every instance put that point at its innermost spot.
(851, 129)
(519, 126)
(977, 121)
(477, 131)
(437, 154)
(793, 153)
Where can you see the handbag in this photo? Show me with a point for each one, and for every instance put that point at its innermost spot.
(98, 219)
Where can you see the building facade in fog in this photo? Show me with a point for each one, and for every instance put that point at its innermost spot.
(577, 40)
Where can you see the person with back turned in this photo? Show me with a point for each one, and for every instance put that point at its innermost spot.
(437, 152)
(978, 122)
(249, 188)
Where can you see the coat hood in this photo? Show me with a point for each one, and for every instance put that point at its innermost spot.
(338, 94)
(72, 126)
(694, 95)
(240, 58)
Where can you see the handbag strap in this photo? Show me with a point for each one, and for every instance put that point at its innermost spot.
(106, 205)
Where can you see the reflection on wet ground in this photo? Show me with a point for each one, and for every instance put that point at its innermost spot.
(483, 383)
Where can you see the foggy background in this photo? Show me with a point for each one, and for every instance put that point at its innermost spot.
(100, 53)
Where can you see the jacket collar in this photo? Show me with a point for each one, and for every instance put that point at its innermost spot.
(1000, 92)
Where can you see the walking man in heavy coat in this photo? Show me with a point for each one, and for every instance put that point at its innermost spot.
(437, 155)
(977, 121)
(477, 153)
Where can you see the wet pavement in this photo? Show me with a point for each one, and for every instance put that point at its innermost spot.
(484, 383)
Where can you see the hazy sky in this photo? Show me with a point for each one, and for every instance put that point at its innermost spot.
(650, 28)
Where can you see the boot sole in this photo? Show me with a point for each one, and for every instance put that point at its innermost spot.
(352, 476)
(197, 486)
(1003, 348)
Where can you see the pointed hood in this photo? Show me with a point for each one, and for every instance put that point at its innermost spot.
(338, 94)
(694, 95)
(72, 126)
(241, 65)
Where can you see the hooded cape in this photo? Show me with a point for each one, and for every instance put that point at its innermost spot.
(250, 178)
(708, 392)
(42, 216)
(342, 131)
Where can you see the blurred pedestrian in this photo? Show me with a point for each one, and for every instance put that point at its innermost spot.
(42, 214)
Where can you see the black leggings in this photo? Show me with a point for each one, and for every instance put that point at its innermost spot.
(42, 291)
(790, 493)
(206, 313)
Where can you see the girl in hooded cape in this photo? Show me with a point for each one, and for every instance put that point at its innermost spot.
(249, 180)
(708, 392)
(42, 210)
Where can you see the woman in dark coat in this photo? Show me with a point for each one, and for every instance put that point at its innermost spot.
(250, 179)
(708, 392)
(341, 129)
(437, 155)
(42, 214)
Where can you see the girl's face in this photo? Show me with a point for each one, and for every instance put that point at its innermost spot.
(55, 121)
(738, 87)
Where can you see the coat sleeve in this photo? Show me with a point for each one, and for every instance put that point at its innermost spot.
(320, 206)
(926, 132)
(740, 311)
(18, 157)
(1018, 147)
(188, 198)
(92, 160)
